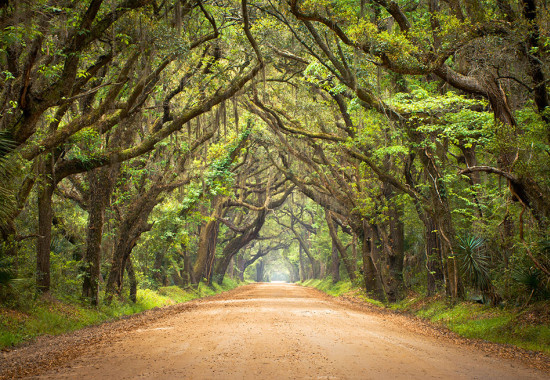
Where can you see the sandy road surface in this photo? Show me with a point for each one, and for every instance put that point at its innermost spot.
(280, 331)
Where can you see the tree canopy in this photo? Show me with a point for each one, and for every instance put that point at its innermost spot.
(404, 145)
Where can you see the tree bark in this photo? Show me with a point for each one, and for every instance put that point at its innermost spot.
(187, 272)
(314, 263)
(132, 279)
(100, 183)
(208, 235)
(130, 228)
(240, 266)
(396, 252)
(45, 216)
(535, 59)
(434, 273)
(335, 264)
(158, 273)
(370, 274)
(338, 245)
(303, 274)
(260, 267)
(237, 243)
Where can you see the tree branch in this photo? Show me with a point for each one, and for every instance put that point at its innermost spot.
(489, 169)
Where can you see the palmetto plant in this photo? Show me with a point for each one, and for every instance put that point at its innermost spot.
(474, 262)
(531, 277)
(6, 272)
(7, 206)
(7, 198)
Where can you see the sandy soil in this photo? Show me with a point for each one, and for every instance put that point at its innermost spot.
(269, 331)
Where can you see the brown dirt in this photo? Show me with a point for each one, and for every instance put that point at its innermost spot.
(267, 331)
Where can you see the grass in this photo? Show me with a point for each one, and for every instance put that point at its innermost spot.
(527, 328)
(328, 287)
(339, 289)
(48, 316)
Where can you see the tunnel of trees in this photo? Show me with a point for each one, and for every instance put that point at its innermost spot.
(403, 145)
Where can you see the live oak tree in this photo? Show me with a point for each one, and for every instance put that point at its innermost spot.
(104, 105)
(396, 144)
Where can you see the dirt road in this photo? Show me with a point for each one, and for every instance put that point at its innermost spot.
(279, 331)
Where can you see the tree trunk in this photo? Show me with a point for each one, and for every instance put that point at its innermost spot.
(158, 274)
(187, 267)
(118, 263)
(315, 265)
(303, 274)
(231, 268)
(336, 243)
(240, 266)
(212, 243)
(177, 275)
(354, 253)
(237, 243)
(434, 266)
(260, 266)
(396, 253)
(369, 269)
(207, 236)
(293, 270)
(441, 214)
(376, 262)
(130, 228)
(535, 47)
(524, 189)
(132, 279)
(100, 190)
(45, 192)
(335, 264)
(434, 272)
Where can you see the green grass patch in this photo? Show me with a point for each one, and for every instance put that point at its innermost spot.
(519, 327)
(328, 287)
(339, 289)
(48, 316)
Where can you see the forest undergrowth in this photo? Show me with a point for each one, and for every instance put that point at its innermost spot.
(48, 315)
(522, 326)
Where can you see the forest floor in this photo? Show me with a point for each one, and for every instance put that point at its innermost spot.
(268, 331)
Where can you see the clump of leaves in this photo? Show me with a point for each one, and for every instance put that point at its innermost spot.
(475, 265)
(7, 198)
(533, 280)
(474, 261)
(6, 272)
(7, 275)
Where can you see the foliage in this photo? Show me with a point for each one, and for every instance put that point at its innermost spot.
(7, 199)
(474, 261)
(472, 320)
(417, 135)
(533, 280)
(7, 275)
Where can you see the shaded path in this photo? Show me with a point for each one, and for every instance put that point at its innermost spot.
(268, 331)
